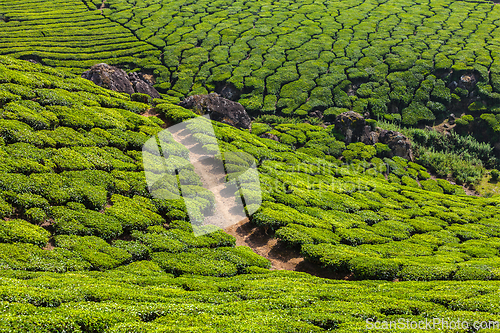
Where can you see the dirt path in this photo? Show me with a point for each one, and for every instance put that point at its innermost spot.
(280, 256)
(212, 175)
(233, 221)
(103, 5)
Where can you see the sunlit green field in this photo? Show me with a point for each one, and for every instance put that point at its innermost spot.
(394, 59)
(87, 246)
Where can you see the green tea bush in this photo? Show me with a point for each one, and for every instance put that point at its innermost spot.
(137, 250)
(494, 174)
(13, 231)
(173, 113)
(373, 268)
(425, 272)
(295, 234)
(359, 151)
(431, 185)
(96, 251)
(141, 216)
(197, 262)
(76, 220)
(36, 215)
(30, 257)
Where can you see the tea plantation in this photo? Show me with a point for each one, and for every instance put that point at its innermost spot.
(408, 61)
(85, 246)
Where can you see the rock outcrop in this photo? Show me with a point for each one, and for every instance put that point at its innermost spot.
(270, 136)
(219, 108)
(142, 85)
(355, 129)
(399, 144)
(117, 79)
(351, 125)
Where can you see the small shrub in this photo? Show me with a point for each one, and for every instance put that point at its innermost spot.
(495, 174)
(24, 232)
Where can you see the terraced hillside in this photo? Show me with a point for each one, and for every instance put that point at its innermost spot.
(84, 245)
(409, 61)
(67, 34)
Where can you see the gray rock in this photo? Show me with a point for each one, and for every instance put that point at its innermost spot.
(229, 91)
(270, 136)
(354, 128)
(141, 85)
(117, 79)
(316, 114)
(351, 125)
(453, 85)
(109, 77)
(399, 144)
(220, 109)
(468, 81)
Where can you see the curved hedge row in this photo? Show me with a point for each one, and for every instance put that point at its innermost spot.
(406, 61)
(73, 191)
(140, 297)
(375, 217)
(292, 58)
(73, 35)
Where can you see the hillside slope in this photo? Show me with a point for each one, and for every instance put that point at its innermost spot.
(405, 61)
(84, 246)
(72, 164)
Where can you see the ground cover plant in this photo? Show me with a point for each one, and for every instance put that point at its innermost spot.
(461, 157)
(374, 217)
(347, 208)
(72, 179)
(400, 60)
(87, 246)
(140, 297)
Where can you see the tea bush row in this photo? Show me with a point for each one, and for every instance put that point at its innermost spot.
(140, 297)
(299, 57)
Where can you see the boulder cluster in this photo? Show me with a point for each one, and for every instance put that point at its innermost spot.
(117, 79)
(355, 129)
(220, 109)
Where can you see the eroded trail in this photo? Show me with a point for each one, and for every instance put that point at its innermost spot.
(247, 234)
(280, 256)
(234, 222)
(212, 175)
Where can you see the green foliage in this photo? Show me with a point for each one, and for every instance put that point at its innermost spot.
(174, 113)
(416, 112)
(373, 268)
(197, 262)
(76, 220)
(134, 214)
(96, 251)
(142, 98)
(359, 151)
(494, 174)
(13, 231)
(454, 155)
(71, 160)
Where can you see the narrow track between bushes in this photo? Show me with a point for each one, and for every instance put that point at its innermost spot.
(225, 216)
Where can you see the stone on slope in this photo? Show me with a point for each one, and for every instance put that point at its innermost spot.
(219, 108)
(354, 128)
(117, 79)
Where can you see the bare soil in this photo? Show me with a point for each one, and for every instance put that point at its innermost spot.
(212, 175)
(153, 113)
(50, 245)
(233, 221)
(280, 256)
(103, 5)
(150, 113)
